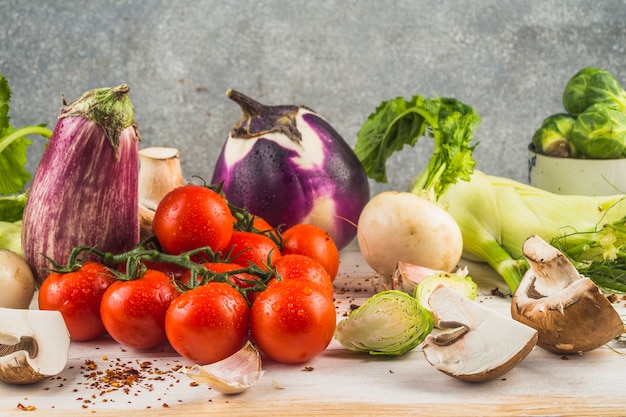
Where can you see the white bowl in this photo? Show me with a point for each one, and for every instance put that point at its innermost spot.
(591, 177)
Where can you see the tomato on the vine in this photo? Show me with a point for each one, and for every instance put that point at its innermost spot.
(241, 280)
(208, 323)
(262, 226)
(133, 311)
(294, 266)
(77, 296)
(292, 321)
(191, 217)
(312, 241)
(250, 247)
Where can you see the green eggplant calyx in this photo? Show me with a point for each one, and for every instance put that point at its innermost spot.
(108, 107)
(259, 119)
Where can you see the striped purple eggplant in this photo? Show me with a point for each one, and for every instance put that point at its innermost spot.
(85, 189)
(288, 165)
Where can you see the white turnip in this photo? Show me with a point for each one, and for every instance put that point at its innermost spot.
(404, 227)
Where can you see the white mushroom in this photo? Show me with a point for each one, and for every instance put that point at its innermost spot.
(34, 344)
(159, 173)
(471, 342)
(568, 309)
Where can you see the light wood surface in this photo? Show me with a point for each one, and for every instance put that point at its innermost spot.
(338, 382)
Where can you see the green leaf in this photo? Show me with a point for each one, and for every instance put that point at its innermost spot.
(398, 122)
(14, 146)
(13, 175)
(12, 207)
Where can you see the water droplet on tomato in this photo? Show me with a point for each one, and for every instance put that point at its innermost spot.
(276, 306)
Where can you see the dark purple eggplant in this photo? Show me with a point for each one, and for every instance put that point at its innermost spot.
(288, 165)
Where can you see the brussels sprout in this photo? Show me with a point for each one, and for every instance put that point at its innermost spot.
(388, 323)
(459, 283)
(554, 136)
(600, 133)
(590, 86)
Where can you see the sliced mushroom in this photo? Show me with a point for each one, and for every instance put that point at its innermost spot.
(34, 344)
(568, 309)
(159, 173)
(471, 342)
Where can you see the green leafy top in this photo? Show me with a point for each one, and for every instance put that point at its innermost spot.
(13, 148)
(398, 122)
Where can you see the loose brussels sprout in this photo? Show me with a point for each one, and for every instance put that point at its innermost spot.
(461, 284)
(388, 323)
(600, 132)
(590, 86)
(554, 136)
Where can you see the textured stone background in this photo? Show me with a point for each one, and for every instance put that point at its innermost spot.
(509, 59)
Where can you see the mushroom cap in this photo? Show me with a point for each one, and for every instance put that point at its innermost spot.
(577, 319)
(474, 343)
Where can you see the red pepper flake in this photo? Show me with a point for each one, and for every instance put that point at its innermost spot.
(23, 407)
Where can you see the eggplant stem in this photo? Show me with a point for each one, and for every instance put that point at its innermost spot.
(249, 106)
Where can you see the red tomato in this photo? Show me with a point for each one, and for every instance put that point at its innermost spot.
(77, 296)
(133, 312)
(250, 247)
(208, 323)
(293, 266)
(190, 217)
(312, 241)
(292, 321)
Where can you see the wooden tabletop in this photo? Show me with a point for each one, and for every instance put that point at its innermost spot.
(336, 383)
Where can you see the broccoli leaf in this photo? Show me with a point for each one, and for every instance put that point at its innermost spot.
(398, 122)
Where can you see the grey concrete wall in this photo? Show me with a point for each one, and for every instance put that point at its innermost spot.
(509, 59)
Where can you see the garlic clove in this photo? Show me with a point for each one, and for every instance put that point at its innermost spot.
(232, 375)
(34, 344)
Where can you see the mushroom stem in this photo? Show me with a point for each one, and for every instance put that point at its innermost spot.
(159, 173)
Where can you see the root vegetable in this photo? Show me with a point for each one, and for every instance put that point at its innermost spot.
(16, 281)
(404, 227)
